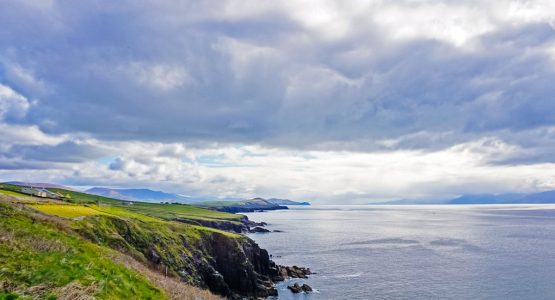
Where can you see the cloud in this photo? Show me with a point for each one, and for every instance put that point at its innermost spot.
(319, 75)
(13, 106)
(187, 94)
(324, 176)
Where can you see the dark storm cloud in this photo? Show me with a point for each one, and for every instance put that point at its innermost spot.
(198, 72)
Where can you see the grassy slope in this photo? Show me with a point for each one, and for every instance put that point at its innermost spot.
(105, 222)
(38, 260)
(158, 210)
(78, 197)
(66, 210)
(220, 203)
(10, 193)
(172, 211)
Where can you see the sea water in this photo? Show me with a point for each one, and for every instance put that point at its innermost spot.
(416, 252)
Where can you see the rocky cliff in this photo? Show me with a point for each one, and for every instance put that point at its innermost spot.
(228, 264)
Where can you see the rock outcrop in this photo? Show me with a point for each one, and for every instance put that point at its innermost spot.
(259, 229)
(228, 264)
(293, 272)
(296, 288)
(243, 226)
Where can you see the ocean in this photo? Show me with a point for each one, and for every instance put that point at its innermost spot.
(416, 252)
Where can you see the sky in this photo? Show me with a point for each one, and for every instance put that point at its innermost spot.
(325, 101)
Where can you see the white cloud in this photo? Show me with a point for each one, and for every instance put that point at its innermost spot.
(12, 104)
(321, 176)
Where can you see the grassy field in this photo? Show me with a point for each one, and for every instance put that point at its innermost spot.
(11, 193)
(93, 247)
(78, 197)
(39, 260)
(72, 211)
(156, 210)
(44, 257)
(66, 210)
(173, 211)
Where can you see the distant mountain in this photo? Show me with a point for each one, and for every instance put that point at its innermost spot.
(535, 198)
(410, 202)
(509, 198)
(146, 195)
(488, 199)
(40, 185)
(286, 202)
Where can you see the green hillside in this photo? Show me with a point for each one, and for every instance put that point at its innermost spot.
(41, 258)
(90, 247)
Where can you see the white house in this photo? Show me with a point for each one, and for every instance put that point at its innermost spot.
(40, 192)
(34, 191)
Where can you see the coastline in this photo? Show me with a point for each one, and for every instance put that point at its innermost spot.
(293, 279)
(196, 247)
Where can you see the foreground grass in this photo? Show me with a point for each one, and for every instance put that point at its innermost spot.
(174, 288)
(42, 259)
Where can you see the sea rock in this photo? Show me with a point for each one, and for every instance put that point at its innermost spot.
(294, 272)
(259, 229)
(306, 288)
(295, 288)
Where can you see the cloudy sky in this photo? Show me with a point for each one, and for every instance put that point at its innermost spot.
(327, 101)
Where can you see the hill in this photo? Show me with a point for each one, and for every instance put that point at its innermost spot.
(38, 185)
(144, 195)
(251, 205)
(535, 198)
(286, 202)
(547, 197)
(87, 246)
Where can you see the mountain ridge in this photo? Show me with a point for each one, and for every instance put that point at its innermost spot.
(546, 197)
(141, 194)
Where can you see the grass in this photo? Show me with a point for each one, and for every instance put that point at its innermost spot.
(41, 259)
(10, 187)
(175, 289)
(46, 257)
(82, 198)
(182, 211)
(168, 243)
(220, 203)
(66, 210)
(11, 193)
(72, 211)
(156, 210)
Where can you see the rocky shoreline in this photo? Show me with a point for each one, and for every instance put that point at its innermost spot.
(243, 271)
(244, 226)
(280, 272)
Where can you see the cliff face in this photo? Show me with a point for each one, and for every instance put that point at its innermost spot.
(241, 265)
(228, 264)
(244, 226)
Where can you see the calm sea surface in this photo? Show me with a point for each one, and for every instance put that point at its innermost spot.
(417, 252)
